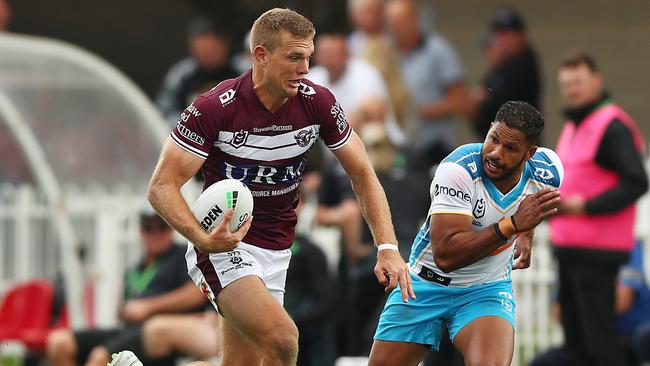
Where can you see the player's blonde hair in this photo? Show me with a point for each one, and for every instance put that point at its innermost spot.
(268, 27)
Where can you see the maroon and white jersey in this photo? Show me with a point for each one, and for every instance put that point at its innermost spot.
(239, 138)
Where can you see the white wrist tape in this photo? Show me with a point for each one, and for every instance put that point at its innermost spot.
(381, 247)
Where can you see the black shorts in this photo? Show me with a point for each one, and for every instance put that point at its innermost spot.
(114, 340)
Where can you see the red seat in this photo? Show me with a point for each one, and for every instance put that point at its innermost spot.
(26, 314)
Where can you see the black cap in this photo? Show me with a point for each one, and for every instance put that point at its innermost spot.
(507, 19)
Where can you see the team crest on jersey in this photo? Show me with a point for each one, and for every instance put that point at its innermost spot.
(306, 89)
(304, 137)
(479, 208)
(239, 139)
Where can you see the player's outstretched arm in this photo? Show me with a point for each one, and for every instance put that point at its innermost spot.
(175, 167)
(455, 245)
(391, 268)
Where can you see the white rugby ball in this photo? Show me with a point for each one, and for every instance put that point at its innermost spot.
(213, 203)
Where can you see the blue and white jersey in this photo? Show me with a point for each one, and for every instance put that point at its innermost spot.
(461, 187)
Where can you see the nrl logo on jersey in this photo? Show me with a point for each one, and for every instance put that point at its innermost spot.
(227, 97)
(304, 137)
(239, 139)
(479, 209)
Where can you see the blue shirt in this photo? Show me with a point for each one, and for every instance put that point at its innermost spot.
(632, 276)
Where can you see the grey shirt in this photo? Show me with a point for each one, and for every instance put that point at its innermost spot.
(428, 70)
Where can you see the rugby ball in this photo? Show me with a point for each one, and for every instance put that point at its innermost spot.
(213, 203)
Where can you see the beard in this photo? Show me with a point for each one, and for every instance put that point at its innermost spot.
(507, 173)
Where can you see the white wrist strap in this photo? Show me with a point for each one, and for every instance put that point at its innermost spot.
(381, 247)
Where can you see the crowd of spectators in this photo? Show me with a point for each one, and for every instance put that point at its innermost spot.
(404, 91)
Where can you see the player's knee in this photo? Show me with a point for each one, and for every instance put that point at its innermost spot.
(60, 341)
(283, 343)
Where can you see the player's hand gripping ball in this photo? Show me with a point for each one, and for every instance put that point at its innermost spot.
(213, 203)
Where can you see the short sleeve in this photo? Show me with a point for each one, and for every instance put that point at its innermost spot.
(451, 190)
(334, 127)
(448, 63)
(196, 128)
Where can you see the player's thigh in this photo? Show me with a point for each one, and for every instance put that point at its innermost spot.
(238, 349)
(386, 353)
(487, 340)
(247, 305)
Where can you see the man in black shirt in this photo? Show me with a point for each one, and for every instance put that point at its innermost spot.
(513, 76)
(207, 66)
(601, 150)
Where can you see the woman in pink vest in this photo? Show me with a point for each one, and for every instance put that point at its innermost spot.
(601, 149)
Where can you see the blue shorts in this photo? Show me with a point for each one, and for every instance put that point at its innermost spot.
(422, 320)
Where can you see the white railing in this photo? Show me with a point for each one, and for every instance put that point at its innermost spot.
(105, 225)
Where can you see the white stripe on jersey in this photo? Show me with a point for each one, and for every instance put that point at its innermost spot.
(267, 148)
(188, 148)
(341, 143)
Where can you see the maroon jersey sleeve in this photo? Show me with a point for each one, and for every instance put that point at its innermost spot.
(334, 128)
(196, 128)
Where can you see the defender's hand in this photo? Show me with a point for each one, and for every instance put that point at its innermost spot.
(535, 208)
(391, 270)
(220, 239)
(523, 252)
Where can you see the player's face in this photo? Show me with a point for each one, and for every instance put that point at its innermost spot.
(504, 152)
(288, 64)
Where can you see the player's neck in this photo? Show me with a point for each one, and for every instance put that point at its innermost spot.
(507, 184)
(270, 100)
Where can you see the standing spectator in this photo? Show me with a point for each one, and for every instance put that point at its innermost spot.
(350, 79)
(366, 18)
(158, 284)
(600, 147)
(207, 66)
(381, 53)
(433, 74)
(514, 72)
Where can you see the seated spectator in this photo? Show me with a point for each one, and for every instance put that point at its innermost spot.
(207, 66)
(158, 284)
(190, 335)
(633, 317)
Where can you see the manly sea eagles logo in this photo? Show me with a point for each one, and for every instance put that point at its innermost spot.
(304, 137)
(479, 208)
(239, 139)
